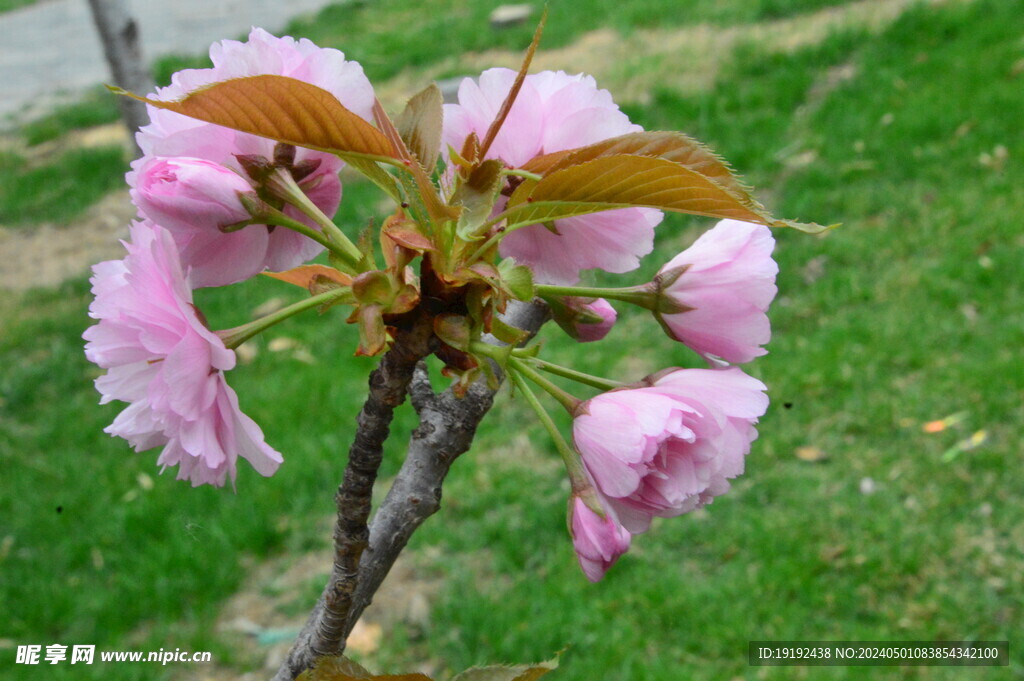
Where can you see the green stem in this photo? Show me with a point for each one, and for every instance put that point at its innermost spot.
(519, 172)
(478, 253)
(578, 376)
(276, 217)
(642, 296)
(565, 399)
(284, 185)
(573, 464)
(234, 337)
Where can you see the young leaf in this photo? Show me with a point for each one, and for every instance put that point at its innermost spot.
(670, 146)
(283, 109)
(372, 333)
(517, 85)
(453, 329)
(335, 668)
(420, 125)
(306, 275)
(423, 187)
(376, 174)
(476, 195)
(518, 279)
(521, 672)
(625, 180)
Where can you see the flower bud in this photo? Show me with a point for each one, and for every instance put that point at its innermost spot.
(190, 194)
(598, 541)
(585, 319)
(713, 296)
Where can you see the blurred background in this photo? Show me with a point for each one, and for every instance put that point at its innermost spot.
(882, 500)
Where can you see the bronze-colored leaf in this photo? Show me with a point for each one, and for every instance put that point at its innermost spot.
(454, 329)
(517, 84)
(390, 132)
(306, 275)
(405, 235)
(335, 668)
(520, 672)
(372, 333)
(420, 125)
(283, 109)
(626, 180)
(671, 146)
(424, 190)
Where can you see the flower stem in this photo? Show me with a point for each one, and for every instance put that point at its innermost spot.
(565, 399)
(573, 464)
(642, 295)
(578, 376)
(284, 185)
(519, 172)
(276, 217)
(234, 337)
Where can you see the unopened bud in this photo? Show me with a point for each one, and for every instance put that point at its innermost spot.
(585, 319)
(186, 194)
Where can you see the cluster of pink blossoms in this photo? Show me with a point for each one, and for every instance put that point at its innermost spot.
(660, 447)
(189, 185)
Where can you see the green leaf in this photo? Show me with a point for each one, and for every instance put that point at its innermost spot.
(626, 180)
(420, 125)
(477, 194)
(507, 333)
(522, 672)
(283, 109)
(518, 279)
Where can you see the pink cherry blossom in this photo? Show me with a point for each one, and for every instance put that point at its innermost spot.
(670, 447)
(173, 135)
(163, 361)
(598, 542)
(727, 283)
(555, 111)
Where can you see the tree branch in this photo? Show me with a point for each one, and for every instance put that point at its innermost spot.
(447, 427)
(325, 630)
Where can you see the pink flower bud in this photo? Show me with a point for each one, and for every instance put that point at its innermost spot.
(598, 541)
(189, 194)
(669, 448)
(723, 284)
(585, 319)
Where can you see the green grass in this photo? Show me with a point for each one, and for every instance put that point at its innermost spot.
(59, 189)
(912, 311)
(96, 108)
(8, 5)
(387, 36)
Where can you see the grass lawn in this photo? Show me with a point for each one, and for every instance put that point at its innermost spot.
(851, 521)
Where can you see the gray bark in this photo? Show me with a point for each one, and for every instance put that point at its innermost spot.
(122, 47)
(447, 427)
